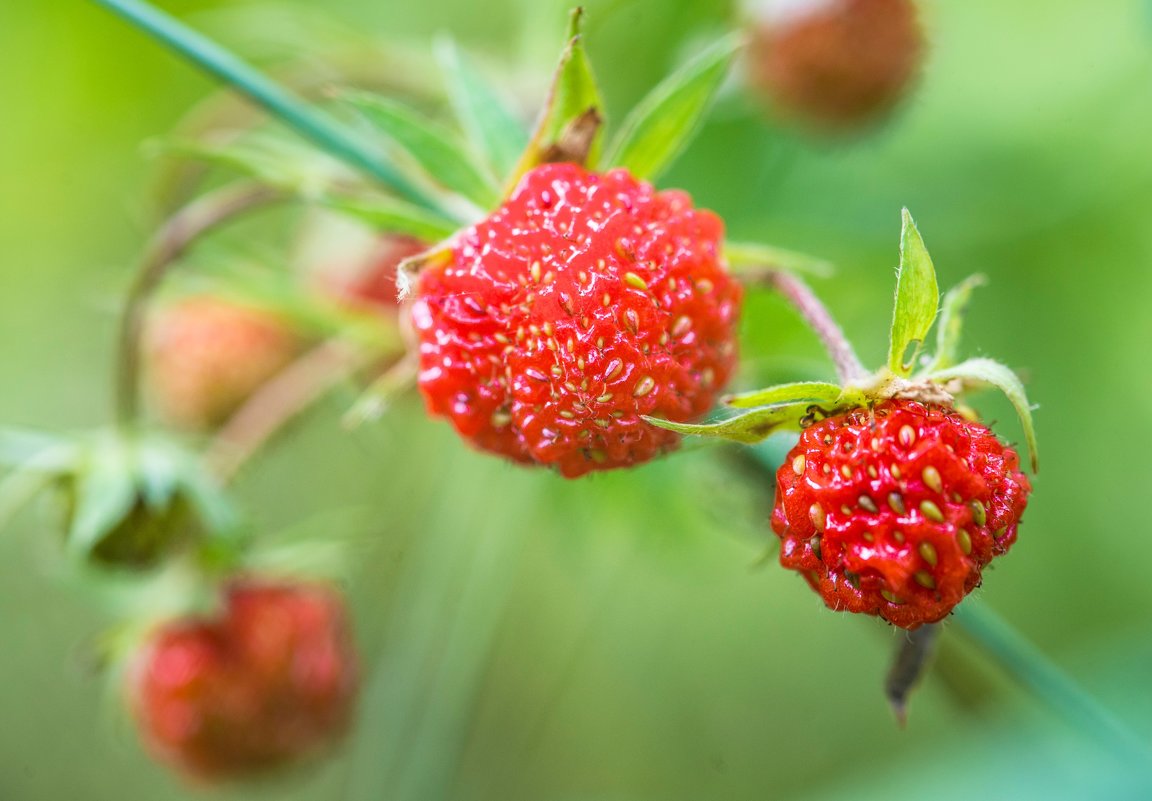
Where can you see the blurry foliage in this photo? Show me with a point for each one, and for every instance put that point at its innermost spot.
(611, 638)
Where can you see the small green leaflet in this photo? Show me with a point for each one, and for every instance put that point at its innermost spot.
(393, 216)
(747, 428)
(985, 372)
(808, 391)
(758, 255)
(435, 149)
(952, 310)
(105, 492)
(574, 96)
(916, 298)
(663, 123)
(491, 127)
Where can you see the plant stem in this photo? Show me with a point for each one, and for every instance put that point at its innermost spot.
(167, 245)
(279, 102)
(286, 396)
(815, 313)
(1036, 672)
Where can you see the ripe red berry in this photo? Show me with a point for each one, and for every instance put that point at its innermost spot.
(895, 510)
(268, 681)
(584, 302)
(206, 356)
(837, 64)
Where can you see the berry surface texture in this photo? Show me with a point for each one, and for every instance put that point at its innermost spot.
(895, 510)
(585, 301)
(271, 680)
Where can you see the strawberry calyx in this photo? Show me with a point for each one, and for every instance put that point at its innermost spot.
(940, 382)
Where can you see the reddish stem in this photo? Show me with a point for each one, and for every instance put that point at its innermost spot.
(797, 293)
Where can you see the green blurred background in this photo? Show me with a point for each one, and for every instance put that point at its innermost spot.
(615, 638)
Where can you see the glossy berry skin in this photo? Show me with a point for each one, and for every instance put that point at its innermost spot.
(583, 302)
(836, 65)
(894, 511)
(270, 680)
(206, 356)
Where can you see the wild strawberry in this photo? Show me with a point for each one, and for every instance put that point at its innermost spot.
(585, 301)
(895, 510)
(893, 503)
(837, 64)
(206, 356)
(270, 680)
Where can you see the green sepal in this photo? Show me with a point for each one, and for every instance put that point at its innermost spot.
(979, 373)
(103, 493)
(951, 322)
(570, 126)
(809, 391)
(663, 123)
(748, 428)
(434, 148)
(492, 129)
(758, 255)
(917, 296)
(388, 215)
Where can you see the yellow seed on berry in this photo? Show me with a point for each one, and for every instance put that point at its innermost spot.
(798, 465)
(979, 513)
(928, 553)
(896, 501)
(924, 579)
(932, 478)
(931, 511)
(817, 516)
(964, 540)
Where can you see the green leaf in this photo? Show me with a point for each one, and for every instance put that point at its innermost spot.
(393, 216)
(977, 373)
(662, 124)
(19, 445)
(280, 164)
(493, 130)
(916, 298)
(755, 254)
(435, 149)
(809, 391)
(952, 310)
(569, 128)
(105, 491)
(747, 428)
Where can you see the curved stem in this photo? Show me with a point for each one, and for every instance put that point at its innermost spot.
(166, 246)
(279, 102)
(816, 314)
(1029, 666)
(280, 401)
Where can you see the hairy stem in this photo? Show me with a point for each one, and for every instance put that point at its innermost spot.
(815, 313)
(166, 246)
(282, 104)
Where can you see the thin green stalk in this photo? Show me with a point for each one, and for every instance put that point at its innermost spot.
(1037, 673)
(279, 102)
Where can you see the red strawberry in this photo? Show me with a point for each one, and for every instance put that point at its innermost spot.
(837, 64)
(583, 302)
(270, 680)
(206, 356)
(895, 510)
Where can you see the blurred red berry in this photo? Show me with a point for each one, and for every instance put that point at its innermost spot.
(374, 285)
(582, 303)
(895, 511)
(206, 356)
(268, 681)
(836, 64)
